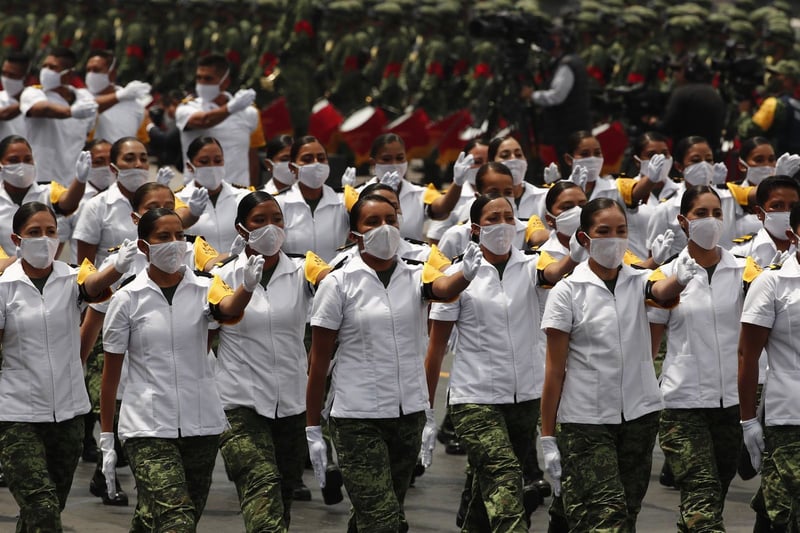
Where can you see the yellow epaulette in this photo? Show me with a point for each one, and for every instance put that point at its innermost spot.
(744, 238)
(188, 99)
(764, 117)
(429, 272)
(350, 197)
(631, 258)
(314, 267)
(3, 254)
(534, 224)
(658, 275)
(774, 266)
(625, 187)
(740, 193)
(753, 269)
(86, 269)
(431, 194)
(437, 259)
(218, 290)
(113, 249)
(56, 190)
(179, 189)
(203, 253)
(545, 260)
(179, 204)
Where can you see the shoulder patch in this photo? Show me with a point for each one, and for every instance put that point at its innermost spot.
(203, 253)
(752, 270)
(430, 273)
(180, 204)
(87, 268)
(534, 224)
(56, 190)
(314, 267)
(630, 258)
(740, 193)
(545, 260)
(431, 194)
(350, 197)
(437, 259)
(218, 290)
(285, 190)
(625, 187)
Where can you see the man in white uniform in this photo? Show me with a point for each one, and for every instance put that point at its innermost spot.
(15, 68)
(231, 119)
(58, 117)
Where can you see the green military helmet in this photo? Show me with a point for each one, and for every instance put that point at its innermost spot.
(648, 16)
(779, 30)
(450, 10)
(761, 14)
(717, 22)
(530, 7)
(587, 21)
(786, 67)
(345, 9)
(782, 5)
(692, 9)
(684, 25)
(741, 31)
(591, 5)
(745, 5)
(270, 4)
(733, 12)
(387, 11)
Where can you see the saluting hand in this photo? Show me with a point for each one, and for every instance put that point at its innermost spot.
(461, 166)
(125, 256)
(83, 166)
(471, 260)
(686, 268)
(252, 272)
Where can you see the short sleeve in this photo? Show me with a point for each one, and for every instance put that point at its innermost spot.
(29, 97)
(759, 304)
(447, 311)
(183, 114)
(328, 308)
(87, 228)
(558, 310)
(116, 325)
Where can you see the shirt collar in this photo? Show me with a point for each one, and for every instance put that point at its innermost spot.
(584, 274)
(14, 272)
(790, 268)
(114, 195)
(328, 196)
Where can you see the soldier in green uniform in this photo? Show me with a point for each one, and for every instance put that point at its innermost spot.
(346, 51)
(388, 55)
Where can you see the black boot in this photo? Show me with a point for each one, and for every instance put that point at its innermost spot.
(332, 493)
(97, 486)
(667, 478)
(89, 453)
(301, 493)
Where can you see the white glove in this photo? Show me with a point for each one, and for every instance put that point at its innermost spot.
(577, 252)
(243, 99)
(252, 272)
(133, 91)
(83, 166)
(780, 257)
(754, 441)
(460, 168)
(787, 165)
(125, 256)
(552, 462)
(551, 173)
(471, 260)
(317, 452)
(579, 175)
(164, 175)
(349, 177)
(83, 109)
(198, 201)
(238, 245)
(662, 246)
(655, 168)
(109, 466)
(685, 269)
(392, 179)
(720, 174)
(428, 439)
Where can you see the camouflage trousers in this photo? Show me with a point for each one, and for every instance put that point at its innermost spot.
(497, 438)
(94, 373)
(377, 457)
(172, 480)
(605, 472)
(780, 477)
(701, 446)
(39, 461)
(261, 458)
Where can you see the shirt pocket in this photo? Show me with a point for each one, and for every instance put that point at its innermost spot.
(579, 400)
(782, 400)
(680, 379)
(137, 413)
(15, 392)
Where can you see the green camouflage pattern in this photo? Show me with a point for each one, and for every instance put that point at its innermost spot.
(780, 477)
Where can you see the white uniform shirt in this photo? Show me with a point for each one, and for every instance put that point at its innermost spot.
(36, 193)
(233, 133)
(170, 389)
(262, 361)
(532, 202)
(379, 370)
(56, 142)
(105, 220)
(455, 239)
(701, 365)
(323, 232)
(217, 224)
(761, 248)
(436, 228)
(66, 225)
(122, 119)
(609, 372)
(42, 377)
(497, 358)
(773, 301)
(14, 126)
(407, 250)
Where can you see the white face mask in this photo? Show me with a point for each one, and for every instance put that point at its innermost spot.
(96, 82)
(568, 221)
(282, 172)
(101, 177)
(664, 169)
(38, 252)
(498, 238)
(518, 168)
(19, 175)
(50, 79)
(705, 232)
(208, 92)
(756, 175)
(209, 177)
(11, 86)
(313, 175)
(608, 252)
(167, 256)
(593, 166)
(132, 178)
(400, 168)
(776, 223)
(699, 173)
(266, 240)
(381, 242)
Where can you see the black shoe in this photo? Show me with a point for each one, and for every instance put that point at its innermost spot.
(541, 485)
(332, 493)
(461, 514)
(446, 435)
(454, 447)
(745, 467)
(89, 454)
(97, 486)
(301, 493)
(667, 478)
(532, 498)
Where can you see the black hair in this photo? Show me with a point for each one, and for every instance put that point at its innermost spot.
(198, 144)
(355, 211)
(382, 140)
(148, 221)
(794, 217)
(12, 139)
(555, 191)
(593, 207)
(771, 183)
(106, 55)
(575, 138)
(751, 144)
(64, 54)
(117, 146)
(494, 146)
(276, 144)
(144, 190)
(249, 202)
(19, 58)
(494, 166)
(476, 209)
(472, 144)
(377, 186)
(299, 143)
(95, 142)
(644, 139)
(217, 61)
(691, 194)
(26, 211)
(683, 147)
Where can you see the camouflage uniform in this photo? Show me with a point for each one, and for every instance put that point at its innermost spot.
(497, 438)
(377, 458)
(701, 446)
(609, 467)
(39, 461)
(780, 477)
(172, 478)
(261, 458)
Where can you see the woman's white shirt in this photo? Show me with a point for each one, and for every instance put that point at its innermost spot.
(323, 232)
(105, 221)
(609, 370)
(42, 377)
(497, 358)
(217, 224)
